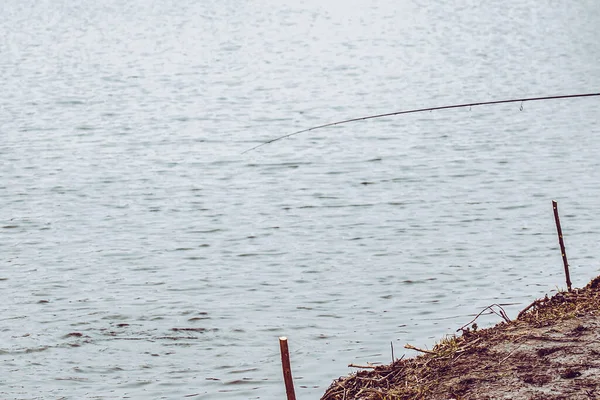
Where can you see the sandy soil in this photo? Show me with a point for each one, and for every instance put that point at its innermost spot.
(551, 351)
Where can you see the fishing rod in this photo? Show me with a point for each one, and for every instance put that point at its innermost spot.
(418, 110)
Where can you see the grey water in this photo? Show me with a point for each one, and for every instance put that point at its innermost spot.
(143, 256)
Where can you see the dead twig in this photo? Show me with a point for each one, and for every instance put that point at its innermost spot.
(468, 345)
(523, 311)
(411, 347)
(535, 303)
(508, 356)
(501, 314)
(362, 366)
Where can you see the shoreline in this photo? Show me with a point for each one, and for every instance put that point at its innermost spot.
(550, 351)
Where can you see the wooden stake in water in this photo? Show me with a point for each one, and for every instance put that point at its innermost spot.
(287, 369)
(562, 244)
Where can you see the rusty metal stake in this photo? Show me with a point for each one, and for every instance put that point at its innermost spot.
(287, 369)
(562, 244)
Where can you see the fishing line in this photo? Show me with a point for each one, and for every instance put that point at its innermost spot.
(418, 110)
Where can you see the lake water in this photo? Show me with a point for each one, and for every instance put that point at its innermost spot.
(144, 256)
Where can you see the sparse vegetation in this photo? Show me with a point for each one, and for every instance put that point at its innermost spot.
(550, 351)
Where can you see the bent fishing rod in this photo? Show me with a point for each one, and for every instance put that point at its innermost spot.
(418, 110)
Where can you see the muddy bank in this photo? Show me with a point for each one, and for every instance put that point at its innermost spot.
(550, 351)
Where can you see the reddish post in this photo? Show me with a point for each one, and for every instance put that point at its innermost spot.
(562, 244)
(287, 369)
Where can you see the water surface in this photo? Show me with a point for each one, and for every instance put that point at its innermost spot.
(143, 256)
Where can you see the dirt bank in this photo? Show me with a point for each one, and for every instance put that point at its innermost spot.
(551, 351)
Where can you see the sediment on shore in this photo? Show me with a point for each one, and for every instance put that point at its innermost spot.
(550, 351)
